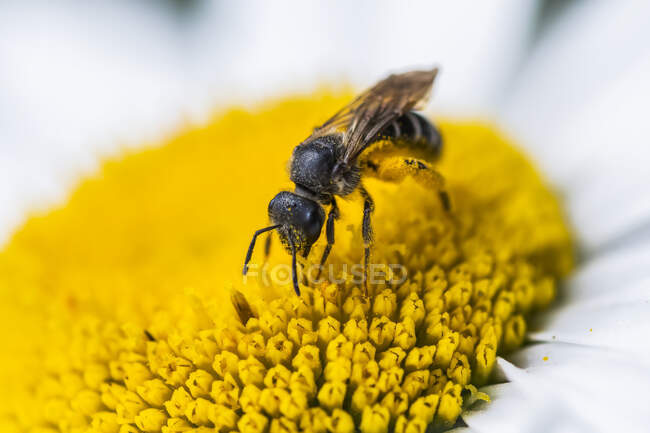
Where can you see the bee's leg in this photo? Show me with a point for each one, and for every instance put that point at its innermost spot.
(366, 231)
(251, 247)
(332, 216)
(397, 168)
(267, 247)
(294, 270)
(303, 274)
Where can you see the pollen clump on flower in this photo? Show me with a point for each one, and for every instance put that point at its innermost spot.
(124, 310)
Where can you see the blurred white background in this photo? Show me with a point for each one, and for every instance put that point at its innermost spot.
(83, 79)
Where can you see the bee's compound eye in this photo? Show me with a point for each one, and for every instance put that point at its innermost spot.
(312, 217)
(313, 221)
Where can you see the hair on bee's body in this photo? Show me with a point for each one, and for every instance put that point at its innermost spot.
(333, 160)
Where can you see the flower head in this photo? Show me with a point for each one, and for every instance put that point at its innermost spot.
(107, 337)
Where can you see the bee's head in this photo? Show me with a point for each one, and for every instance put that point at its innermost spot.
(300, 220)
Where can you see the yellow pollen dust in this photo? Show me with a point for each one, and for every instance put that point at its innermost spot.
(124, 309)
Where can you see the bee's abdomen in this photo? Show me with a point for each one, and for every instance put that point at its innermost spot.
(414, 127)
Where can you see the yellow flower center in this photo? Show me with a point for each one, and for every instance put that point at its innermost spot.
(124, 310)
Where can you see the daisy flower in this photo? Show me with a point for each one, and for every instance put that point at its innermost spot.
(123, 309)
(147, 327)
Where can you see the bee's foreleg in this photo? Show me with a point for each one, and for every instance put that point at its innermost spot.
(305, 254)
(332, 216)
(294, 270)
(366, 231)
(398, 168)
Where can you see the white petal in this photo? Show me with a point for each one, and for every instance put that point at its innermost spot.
(509, 410)
(607, 162)
(580, 108)
(609, 273)
(599, 388)
(620, 321)
(462, 430)
(579, 56)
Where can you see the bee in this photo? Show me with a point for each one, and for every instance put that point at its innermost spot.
(377, 135)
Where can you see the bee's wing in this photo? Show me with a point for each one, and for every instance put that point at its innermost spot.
(369, 113)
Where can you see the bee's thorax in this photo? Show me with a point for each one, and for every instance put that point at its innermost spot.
(317, 171)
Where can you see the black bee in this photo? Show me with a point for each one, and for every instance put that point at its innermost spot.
(377, 135)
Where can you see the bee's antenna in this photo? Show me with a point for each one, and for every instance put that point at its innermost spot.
(294, 272)
(251, 247)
